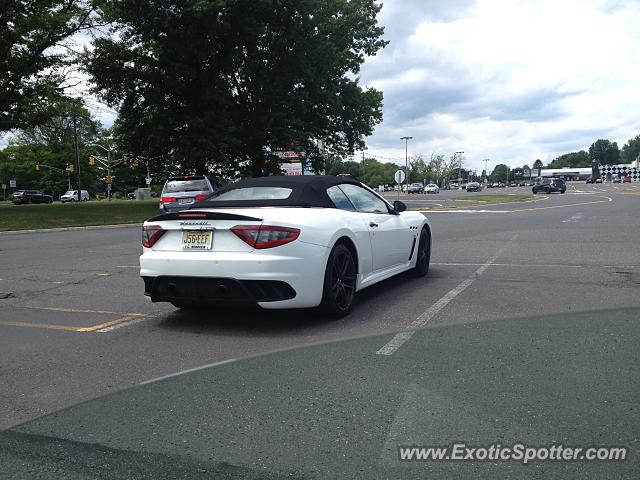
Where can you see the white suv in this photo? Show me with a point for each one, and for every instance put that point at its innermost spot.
(72, 196)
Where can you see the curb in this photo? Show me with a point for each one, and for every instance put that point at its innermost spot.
(71, 229)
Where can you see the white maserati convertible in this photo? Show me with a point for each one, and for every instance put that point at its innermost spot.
(282, 242)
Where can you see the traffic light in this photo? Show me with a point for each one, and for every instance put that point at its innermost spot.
(37, 166)
(109, 179)
(70, 168)
(92, 160)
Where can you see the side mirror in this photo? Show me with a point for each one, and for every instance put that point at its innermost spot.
(399, 206)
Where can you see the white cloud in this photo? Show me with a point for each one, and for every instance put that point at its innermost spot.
(510, 80)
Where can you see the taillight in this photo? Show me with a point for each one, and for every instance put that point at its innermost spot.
(202, 196)
(168, 199)
(265, 236)
(151, 234)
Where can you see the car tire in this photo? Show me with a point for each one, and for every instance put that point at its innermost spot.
(563, 190)
(423, 254)
(339, 286)
(534, 190)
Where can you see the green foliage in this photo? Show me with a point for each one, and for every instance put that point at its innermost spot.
(210, 84)
(572, 160)
(604, 152)
(51, 145)
(500, 173)
(630, 150)
(538, 164)
(34, 63)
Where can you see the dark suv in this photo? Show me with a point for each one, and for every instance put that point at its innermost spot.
(30, 196)
(549, 185)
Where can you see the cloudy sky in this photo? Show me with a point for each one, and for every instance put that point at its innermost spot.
(507, 80)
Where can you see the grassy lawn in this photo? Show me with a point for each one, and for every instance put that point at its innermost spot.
(102, 212)
(503, 198)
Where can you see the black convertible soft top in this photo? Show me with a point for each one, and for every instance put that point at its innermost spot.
(306, 191)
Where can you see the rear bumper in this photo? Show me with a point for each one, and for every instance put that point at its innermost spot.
(211, 291)
(291, 276)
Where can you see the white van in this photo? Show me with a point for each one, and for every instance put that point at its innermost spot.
(72, 196)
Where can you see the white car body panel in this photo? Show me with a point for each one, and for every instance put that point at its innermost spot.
(382, 251)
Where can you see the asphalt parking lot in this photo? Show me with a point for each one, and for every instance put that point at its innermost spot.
(74, 324)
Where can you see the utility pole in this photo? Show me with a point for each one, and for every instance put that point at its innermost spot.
(459, 168)
(75, 136)
(486, 172)
(363, 171)
(406, 157)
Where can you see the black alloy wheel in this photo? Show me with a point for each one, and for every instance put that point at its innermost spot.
(339, 282)
(424, 254)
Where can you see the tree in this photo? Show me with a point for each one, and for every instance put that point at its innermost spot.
(256, 74)
(572, 160)
(420, 170)
(538, 164)
(500, 173)
(630, 150)
(34, 58)
(51, 146)
(604, 152)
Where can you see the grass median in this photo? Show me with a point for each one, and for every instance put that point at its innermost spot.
(56, 215)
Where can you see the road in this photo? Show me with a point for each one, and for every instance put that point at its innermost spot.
(74, 324)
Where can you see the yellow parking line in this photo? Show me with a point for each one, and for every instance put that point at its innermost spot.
(127, 317)
(70, 328)
(40, 325)
(71, 310)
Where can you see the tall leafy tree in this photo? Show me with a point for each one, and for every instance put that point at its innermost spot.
(211, 83)
(604, 152)
(500, 173)
(631, 150)
(51, 147)
(572, 160)
(35, 60)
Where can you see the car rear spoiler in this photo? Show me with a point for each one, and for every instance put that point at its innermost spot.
(191, 215)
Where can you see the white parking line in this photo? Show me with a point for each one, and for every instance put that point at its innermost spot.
(574, 218)
(400, 338)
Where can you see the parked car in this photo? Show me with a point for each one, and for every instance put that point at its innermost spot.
(30, 196)
(229, 248)
(626, 179)
(131, 195)
(589, 180)
(522, 184)
(179, 193)
(432, 188)
(598, 180)
(550, 185)
(72, 196)
(498, 185)
(616, 179)
(473, 187)
(416, 188)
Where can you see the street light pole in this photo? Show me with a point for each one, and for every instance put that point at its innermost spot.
(486, 173)
(406, 157)
(459, 168)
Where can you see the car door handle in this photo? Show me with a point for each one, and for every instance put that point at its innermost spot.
(373, 224)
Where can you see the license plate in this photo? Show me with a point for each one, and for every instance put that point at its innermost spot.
(197, 239)
(185, 201)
